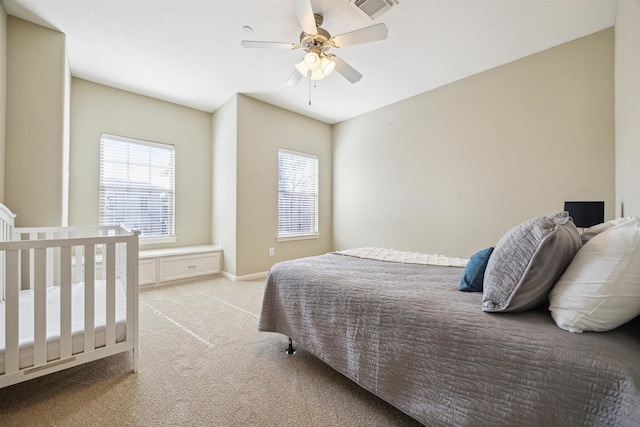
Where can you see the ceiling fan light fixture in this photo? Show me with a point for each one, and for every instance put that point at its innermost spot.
(317, 74)
(312, 60)
(302, 68)
(327, 66)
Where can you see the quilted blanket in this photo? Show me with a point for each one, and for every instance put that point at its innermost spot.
(405, 333)
(393, 255)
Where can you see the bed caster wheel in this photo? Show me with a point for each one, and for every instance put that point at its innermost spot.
(290, 350)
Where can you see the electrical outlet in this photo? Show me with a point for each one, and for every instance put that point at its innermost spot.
(272, 251)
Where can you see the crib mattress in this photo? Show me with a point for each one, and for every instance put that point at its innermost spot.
(26, 329)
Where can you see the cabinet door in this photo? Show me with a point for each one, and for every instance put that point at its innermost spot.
(186, 266)
(147, 271)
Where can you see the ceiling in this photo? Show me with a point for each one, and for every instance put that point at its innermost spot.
(189, 53)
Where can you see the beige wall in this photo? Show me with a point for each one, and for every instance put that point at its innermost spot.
(225, 170)
(450, 170)
(260, 134)
(627, 76)
(247, 136)
(100, 109)
(3, 93)
(37, 113)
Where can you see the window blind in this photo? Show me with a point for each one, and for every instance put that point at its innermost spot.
(137, 185)
(297, 193)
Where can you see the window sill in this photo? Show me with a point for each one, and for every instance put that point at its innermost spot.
(157, 240)
(290, 237)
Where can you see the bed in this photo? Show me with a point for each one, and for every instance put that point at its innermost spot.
(68, 296)
(406, 333)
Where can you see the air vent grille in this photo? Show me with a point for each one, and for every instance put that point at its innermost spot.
(373, 8)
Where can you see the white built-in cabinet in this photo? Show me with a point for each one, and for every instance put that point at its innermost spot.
(171, 264)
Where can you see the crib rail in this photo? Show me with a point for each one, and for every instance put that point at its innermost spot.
(36, 259)
(51, 234)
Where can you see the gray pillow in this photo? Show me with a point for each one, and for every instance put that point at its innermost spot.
(527, 261)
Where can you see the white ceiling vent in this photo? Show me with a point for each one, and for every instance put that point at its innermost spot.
(373, 8)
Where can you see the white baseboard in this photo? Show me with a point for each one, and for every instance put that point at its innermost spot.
(253, 276)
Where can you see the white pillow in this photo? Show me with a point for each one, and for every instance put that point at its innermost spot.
(591, 232)
(600, 289)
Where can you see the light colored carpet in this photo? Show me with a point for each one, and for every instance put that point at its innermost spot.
(202, 363)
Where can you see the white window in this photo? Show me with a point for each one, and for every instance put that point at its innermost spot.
(137, 186)
(297, 195)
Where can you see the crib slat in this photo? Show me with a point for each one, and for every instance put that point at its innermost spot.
(103, 270)
(65, 302)
(40, 306)
(32, 236)
(132, 297)
(50, 263)
(12, 313)
(89, 298)
(77, 278)
(110, 267)
(129, 288)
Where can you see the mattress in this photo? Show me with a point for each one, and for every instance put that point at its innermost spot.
(26, 329)
(405, 333)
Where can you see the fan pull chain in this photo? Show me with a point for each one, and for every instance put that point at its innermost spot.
(314, 85)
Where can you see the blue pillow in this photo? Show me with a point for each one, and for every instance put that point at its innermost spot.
(474, 271)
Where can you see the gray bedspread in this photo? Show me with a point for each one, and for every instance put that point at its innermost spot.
(405, 333)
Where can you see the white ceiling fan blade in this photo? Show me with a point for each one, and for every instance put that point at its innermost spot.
(294, 79)
(268, 45)
(347, 71)
(304, 12)
(363, 35)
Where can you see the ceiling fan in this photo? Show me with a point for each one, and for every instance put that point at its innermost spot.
(317, 62)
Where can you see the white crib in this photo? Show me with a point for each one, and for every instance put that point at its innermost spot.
(68, 296)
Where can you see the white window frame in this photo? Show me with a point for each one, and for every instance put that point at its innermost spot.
(285, 232)
(151, 186)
